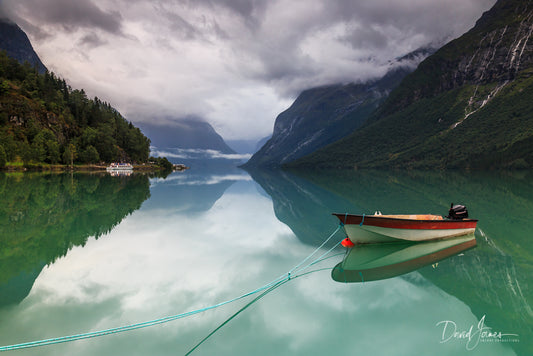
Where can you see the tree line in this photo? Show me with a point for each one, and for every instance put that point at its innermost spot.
(44, 120)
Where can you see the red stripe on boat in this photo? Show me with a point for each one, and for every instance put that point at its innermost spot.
(397, 223)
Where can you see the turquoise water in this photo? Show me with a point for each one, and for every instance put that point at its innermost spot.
(82, 253)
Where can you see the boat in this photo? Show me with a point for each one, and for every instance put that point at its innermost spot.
(119, 167)
(122, 173)
(379, 228)
(365, 263)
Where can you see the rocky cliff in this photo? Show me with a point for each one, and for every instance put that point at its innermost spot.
(467, 106)
(323, 115)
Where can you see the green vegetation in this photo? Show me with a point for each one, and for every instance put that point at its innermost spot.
(321, 116)
(44, 120)
(162, 162)
(502, 201)
(499, 135)
(43, 215)
(468, 106)
(2, 157)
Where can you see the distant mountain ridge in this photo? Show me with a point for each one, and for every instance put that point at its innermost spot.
(466, 106)
(17, 45)
(193, 133)
(323, 115)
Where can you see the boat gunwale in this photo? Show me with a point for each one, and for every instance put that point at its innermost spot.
(381, 218)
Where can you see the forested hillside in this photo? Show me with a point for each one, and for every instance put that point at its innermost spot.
(467, 106)
(44, 120)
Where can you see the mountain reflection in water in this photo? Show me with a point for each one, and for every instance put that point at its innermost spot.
(43, 215)
(204, 238)
(493, 279)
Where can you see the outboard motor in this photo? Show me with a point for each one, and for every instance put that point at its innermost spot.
(457, 212)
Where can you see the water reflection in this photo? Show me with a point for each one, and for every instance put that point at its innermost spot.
(496, 278)
(364, 263)
(303, 206)
(204, 238)
(42, 216)
(123, 173)
(190, 191)
(158, 262)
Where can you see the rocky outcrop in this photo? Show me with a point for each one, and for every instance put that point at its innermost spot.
(493, 55)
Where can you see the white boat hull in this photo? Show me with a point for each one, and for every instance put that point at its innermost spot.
(375, 234)
(362, 229)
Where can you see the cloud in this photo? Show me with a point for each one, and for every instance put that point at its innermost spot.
(68, 14)
(198, 153)
(92, 40)
(203, 179)
(235, 63)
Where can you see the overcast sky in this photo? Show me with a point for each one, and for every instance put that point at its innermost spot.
(236, 63)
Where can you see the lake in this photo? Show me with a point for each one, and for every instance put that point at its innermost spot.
(82, 253)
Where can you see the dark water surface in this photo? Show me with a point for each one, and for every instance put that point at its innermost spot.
(81, 253)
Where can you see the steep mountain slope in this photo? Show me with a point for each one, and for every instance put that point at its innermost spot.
(17, 45)
(323, 115)
(193, 142)
(467, 106)
(44, 120)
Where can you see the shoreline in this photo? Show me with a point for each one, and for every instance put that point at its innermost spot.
(35, 167)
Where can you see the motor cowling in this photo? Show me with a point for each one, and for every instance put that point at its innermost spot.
(457, 212)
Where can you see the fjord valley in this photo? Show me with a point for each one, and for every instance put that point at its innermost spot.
(321, 116)
(466, 106)
(119, 262)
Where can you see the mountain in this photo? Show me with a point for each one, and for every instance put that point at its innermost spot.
(193, 142)
(247, 146)
(262, 142)
(188, 133)
(323, 115)
(17, 45)
(466, 106)
(44, 121)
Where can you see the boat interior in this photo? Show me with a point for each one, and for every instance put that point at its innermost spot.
(411, 217)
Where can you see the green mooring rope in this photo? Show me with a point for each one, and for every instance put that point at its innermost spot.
(275, 283)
